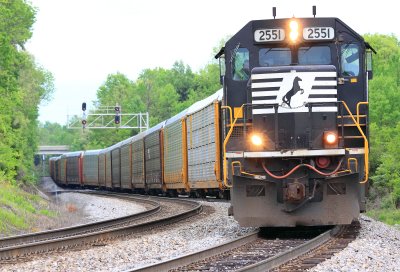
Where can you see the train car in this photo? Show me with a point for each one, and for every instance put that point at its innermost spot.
(73, 170)
(153, 156)
(138, 165)
(52, 161)
(126, 163)
(115, 153)
(90, 168)
(62, 166)
(105, 156)
(175, 154)
(102, 168)
(204, 146)
(297, 136)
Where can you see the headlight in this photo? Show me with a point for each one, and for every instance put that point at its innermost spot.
(294, 30)
(330, 139)
(256, 139)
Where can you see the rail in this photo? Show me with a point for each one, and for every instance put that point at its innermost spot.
(28, 245)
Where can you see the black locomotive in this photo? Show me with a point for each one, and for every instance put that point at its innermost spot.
(296, 121)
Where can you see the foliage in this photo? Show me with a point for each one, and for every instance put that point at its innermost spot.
(23, 85)
(384, 97)
(389, 216)
(18, 208)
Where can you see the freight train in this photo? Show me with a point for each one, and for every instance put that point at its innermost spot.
(287, 135)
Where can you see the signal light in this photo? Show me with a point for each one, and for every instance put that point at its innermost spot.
(330, 139)
(83, 106)
(117, 108)
(84, 122)
(116, 119)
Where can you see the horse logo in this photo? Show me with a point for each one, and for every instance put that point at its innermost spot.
(296, 87)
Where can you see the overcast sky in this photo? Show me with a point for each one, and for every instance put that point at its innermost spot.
(82, 41)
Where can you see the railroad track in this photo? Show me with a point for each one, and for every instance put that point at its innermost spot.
(27, 246)
(257, 253)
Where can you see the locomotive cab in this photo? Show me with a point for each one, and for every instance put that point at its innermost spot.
(296, 141)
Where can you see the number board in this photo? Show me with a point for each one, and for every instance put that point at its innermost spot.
(318, 33)
(269, 35)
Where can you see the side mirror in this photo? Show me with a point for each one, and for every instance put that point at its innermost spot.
(368, 60)
(222, 69)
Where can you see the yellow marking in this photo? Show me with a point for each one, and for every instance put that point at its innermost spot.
(238, 112)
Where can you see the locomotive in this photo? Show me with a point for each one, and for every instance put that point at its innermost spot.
(287, 135)
(296, 126)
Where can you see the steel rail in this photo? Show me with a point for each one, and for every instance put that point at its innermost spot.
(291, 254)
(197, 256)
(80, 229)
(93, 238)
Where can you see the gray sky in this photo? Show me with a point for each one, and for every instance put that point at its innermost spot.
(82, 41)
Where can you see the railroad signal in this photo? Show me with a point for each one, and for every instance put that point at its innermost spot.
(83, 106)
(117, 118)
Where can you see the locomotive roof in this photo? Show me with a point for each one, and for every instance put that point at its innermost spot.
(245, 35)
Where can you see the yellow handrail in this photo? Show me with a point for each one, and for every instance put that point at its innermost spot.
(366, 164)
(226, 142)
(358, 110)
(240, 167)
(352, 159)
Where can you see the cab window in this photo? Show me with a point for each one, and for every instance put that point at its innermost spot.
(350, 59)
(313, 55)
(274, 56)
(240, 65)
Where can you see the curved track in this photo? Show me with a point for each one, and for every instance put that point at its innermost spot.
(24, 246)
(254, 253)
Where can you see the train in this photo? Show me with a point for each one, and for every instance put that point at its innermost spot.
(286, 137)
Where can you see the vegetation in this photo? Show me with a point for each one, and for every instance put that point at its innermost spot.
(19, 210)
(385, 129)
(23, 85)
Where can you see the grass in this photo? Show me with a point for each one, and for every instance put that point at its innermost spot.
(19, 209)
(388, 216)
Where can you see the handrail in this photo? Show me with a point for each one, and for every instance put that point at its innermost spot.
(358, 110)
(226, 142)
(366, 164)
(240, 167)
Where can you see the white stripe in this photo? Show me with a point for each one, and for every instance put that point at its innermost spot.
(302, 109)
(325, 83)
(264, 93)
(321, 100)
(268, 76)
(324, 109)
(263, 111)
(258, 102)
(322, 91)
(266, 84)
(281, 75)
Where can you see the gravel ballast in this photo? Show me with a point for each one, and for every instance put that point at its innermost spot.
(377, 248)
